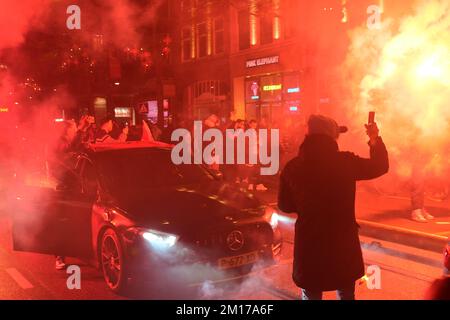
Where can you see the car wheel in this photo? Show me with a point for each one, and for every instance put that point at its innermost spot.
(113, 262)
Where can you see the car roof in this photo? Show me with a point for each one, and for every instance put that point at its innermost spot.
(129, 145)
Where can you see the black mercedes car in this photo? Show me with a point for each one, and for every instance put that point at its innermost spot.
(132, 213)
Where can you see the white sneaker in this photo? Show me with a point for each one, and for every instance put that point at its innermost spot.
(261, 187)
(417, 215)
(60, 264)
(427, 215)
(250, 186)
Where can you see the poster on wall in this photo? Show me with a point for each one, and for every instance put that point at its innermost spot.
(252, 91)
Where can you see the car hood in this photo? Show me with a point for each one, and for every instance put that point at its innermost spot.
(207, 205)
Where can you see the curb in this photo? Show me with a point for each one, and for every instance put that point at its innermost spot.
(412, 238)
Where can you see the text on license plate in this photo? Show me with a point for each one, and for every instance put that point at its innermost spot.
(236, 261)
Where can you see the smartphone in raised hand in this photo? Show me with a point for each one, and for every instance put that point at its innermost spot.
(371, 117)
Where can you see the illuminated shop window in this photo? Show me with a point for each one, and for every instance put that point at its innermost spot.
(291, 86)
(272, 88)
(122, 112)
(252, 90)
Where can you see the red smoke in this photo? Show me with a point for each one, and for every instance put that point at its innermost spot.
(402, 72)
(27, 123)
(17, 18)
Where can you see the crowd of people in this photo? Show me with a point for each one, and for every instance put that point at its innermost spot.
(292, 132)
(88, 130)
(75, 136)
(246, 174)
(317, 184)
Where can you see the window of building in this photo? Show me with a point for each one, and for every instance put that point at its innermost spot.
(292, 20)
(271, 88)
(289, 28)
(291, 86)
(252, 91)
(201, 3)
(209, 89)
(186, 5)
(163, 10)
(244, 29)
(273, 97)
(202, 36)
(218, 36)
(266, 29)
(186, 44)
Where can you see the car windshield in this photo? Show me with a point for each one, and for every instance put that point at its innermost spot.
(142, 169)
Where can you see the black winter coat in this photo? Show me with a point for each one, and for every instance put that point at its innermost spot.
(319, 185)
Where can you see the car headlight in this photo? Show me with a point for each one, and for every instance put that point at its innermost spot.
(272, 217)
(274, 220)
(160, 239)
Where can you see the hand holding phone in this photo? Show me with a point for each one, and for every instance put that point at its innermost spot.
(372, 128)
(371, 117)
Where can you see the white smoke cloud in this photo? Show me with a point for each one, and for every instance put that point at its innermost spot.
(403, 73)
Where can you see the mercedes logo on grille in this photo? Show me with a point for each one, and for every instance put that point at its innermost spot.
(235, 240)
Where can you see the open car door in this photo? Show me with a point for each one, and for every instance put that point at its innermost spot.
(77, 211)
(37, 211)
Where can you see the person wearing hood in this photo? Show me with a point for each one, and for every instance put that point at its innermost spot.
(319, 186)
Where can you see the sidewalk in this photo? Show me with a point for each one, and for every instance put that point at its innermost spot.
(388, 218)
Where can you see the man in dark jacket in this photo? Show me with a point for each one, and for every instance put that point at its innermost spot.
(319, 185)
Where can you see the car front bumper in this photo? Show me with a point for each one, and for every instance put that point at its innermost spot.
(186, 265)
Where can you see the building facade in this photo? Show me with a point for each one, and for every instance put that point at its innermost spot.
(261, 59)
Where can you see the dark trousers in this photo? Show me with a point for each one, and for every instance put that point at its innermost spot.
(347, 293)
(417, 196)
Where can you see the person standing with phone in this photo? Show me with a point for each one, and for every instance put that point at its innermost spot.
(319, 186)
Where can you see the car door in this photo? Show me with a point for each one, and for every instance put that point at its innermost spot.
(77, 211)
(38, 218)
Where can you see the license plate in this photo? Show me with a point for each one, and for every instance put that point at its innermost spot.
(236, 261)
